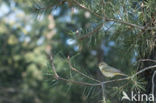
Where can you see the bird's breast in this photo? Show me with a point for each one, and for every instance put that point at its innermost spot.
(107, 74)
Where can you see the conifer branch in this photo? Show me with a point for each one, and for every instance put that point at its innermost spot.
(95, 84)
(53, 67)
(143, 70)
(153, 83)
(110, 19)
(147, 60)
(56, 76)
(74, 69)
(92, 32)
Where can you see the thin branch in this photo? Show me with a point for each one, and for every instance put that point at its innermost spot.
(95, 84)
(141, 71)
(77, 82)
(115, 80)
(49, 6)
(92, 32)
(103, 5)
(126, 23)
(67, 80)
(103, 95)
(74, 69)
(86, 9)
(153, 86)
(150, 60)
(53, 67)
(108, 28)
(110, 19)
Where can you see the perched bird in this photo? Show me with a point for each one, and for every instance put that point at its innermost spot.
(109, 71)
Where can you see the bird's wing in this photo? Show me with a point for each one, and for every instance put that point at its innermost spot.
(112, 69)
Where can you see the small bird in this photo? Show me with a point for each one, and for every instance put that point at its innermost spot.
(109, 71)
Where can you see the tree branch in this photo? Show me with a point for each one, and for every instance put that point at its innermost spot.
(143, 70)
(94, 84)
(110, 19)
(74, 69)
(53, 67)
(153, 84)
(86, 9)
(77, 82)
(150, 60)
(56, 76)
(103, 95)
(92, 32)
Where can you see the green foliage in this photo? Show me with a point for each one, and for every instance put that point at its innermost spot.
(76, 31)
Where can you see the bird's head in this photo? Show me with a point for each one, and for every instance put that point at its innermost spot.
(101, 64)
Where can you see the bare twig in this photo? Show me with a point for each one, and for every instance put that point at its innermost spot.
(153, 86)
(53, 66)
(92, 32)
(103, 5)
(108, 28)
(102, 88)
(115, 80)
(141, 71)
(77, 82)
(150, 60)
(74, 69)
(126, 23)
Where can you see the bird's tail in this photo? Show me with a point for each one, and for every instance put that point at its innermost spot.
(122, 74)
